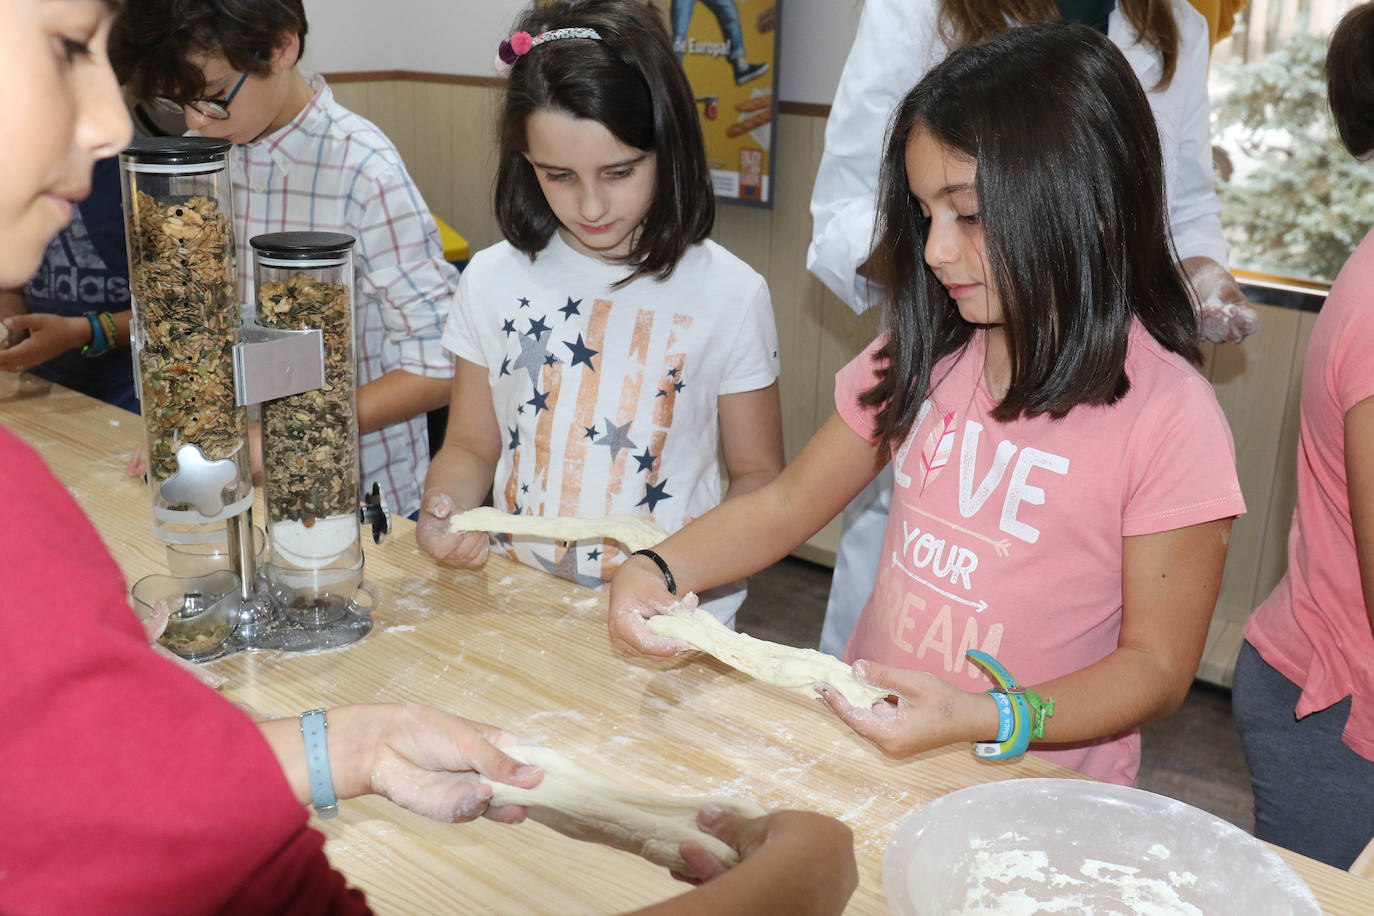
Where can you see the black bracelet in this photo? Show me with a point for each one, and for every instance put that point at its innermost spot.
(662, 567)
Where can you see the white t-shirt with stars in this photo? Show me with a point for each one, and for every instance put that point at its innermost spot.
(607, 398)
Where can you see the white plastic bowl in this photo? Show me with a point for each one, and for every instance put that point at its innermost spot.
(1027, 846)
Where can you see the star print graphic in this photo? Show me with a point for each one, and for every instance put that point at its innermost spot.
(539, 402)
(514, 439)
(534, 347)
(661, 393)
(505, 367)
(566, 568)
(581, 353)
(678, 386)
(646, 461)
(589, 433)
(616, 438)
(524, 303)
(524, 488)
(509, 327)
(594, 553)
(672, 373)
(654, 493)
(550, 360)
(570, 309)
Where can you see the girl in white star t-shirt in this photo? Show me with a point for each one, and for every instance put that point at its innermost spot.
(607, 353)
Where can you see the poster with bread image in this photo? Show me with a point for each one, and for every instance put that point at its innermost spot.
(729, 50)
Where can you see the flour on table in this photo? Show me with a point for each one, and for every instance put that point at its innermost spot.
(784, 666)
(584, 806)
(632, 532)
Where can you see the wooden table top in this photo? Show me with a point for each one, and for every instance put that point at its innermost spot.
(529, 652)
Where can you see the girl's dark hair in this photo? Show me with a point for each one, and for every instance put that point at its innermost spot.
(966, 21)
(631, 82)
(1350, 79)
(152, 41)
(1071, 195)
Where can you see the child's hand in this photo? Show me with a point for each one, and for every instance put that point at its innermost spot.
(638, 593)
(928, 713)
(464, 549)
(814, 854)
(1224, 314)
(48, 336)
(429, 762)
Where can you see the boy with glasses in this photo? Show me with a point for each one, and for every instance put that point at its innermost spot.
(303, 162)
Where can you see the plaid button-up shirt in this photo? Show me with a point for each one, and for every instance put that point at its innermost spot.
(331, 170)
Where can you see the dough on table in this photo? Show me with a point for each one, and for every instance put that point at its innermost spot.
(633, 532)
(785, 666)
(584, 806)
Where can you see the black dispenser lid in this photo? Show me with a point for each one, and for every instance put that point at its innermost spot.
(177, 150)
(301, 246)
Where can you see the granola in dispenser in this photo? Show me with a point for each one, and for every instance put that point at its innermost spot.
(182, 279)
(310, 440)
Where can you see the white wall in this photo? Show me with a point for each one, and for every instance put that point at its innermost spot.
(460, 36)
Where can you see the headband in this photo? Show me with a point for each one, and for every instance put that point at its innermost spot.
(521, 44)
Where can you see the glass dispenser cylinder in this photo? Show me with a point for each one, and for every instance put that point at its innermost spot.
(304, 281)
(177, 207)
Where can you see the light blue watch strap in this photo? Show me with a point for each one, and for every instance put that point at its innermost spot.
(314, 729)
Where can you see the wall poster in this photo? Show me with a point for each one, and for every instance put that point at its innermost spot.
(729, 49)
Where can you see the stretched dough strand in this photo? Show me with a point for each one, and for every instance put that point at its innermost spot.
(584, 806)
(633, 532)
(784, 666)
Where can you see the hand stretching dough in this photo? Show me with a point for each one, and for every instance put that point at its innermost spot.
(631, 531)
(584, 806)
(785, 666)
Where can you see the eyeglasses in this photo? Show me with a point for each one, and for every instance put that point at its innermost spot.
(216, 109)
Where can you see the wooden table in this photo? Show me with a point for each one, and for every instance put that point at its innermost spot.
(529, 652)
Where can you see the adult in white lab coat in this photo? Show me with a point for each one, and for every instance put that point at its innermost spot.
(896, 43)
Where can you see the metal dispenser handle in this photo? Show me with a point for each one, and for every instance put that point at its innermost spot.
(375, 513)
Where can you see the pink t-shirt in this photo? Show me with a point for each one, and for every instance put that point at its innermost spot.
(1006, 537)
(1313, 628)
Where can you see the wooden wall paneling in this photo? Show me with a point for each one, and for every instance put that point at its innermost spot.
(746, 233)
(1283, 491)
(794, 290)
(432, 165)
(1251, 380)
(472, 127)
(353, 96)
(393, 110)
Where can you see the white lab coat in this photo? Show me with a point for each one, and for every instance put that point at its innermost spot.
(897, 42)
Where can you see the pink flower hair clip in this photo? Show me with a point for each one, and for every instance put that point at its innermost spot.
(520, 44)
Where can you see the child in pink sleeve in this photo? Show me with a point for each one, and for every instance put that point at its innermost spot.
(1064, 478)
(1011, 542)
(1304, 683)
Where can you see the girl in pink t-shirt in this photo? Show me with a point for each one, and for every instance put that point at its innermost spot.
(1064, 478)
(1304, 684)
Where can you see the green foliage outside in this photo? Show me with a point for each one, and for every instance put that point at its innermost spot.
(1306, 203)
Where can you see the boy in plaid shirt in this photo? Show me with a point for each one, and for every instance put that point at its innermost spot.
(303, 162)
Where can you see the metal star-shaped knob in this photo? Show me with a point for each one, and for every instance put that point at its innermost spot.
(199, 481)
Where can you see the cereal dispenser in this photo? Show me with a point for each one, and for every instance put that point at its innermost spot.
(185, 326)
(314, 574)
(199, 366)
